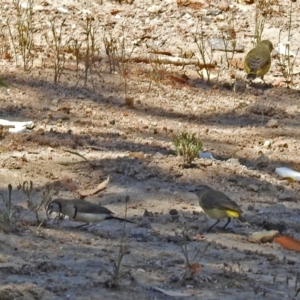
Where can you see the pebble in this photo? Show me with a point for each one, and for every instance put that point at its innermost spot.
(263, 236)
(273, 123)
(223, 5)
(173, 212)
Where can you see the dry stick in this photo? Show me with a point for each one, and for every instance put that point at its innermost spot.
(78, 154)
(177, 61)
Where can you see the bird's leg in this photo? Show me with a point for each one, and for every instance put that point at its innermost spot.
(229, 219)
(213, 225)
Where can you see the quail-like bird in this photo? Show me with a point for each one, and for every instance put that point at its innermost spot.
(217, 205)
(82, 211)
(258, 60)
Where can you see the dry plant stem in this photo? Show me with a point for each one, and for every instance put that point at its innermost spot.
(76, 46)
(91, 50)
(202, 45)
(22, 30)
(157, 69)
(110, 50)
(227, 40)
(117, 265)
(184, 250)
(118, 57)
(4, 45)
(297, 281)
(8, 217)
(27, 188)
(287, 64)
(25, 30)
(8, 22)
(46, 199)
(124, 59)
(57, 45)
(259, 26)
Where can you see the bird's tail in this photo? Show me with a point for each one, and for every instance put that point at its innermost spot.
(251, 76)
(120, 219)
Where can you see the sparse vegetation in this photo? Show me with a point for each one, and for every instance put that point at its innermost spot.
(58, 45)
(21, 32)
(8, 214)
(206, 53)
(117, 273)
(192, 266)
(27, 189)
(287, 59)
(119, 53)
(91, 51)
(188, 146)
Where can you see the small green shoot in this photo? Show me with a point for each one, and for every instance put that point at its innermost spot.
(188, 146)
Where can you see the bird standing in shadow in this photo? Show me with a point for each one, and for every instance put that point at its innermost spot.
(217, 205)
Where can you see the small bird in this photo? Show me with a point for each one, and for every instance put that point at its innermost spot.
(258, 60)
(82, 211)
(217, 205)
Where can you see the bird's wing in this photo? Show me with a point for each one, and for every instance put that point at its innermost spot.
(85, 207)
(213, 201)
(256, 62)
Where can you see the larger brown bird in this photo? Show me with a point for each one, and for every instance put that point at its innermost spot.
(82, 211)
(217, 205)
(258, 60)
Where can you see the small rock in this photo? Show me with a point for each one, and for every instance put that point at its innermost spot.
(262, 161)
(140, 236)
(223, 5)
(54, 102)
(154, 9)
(253, 188)
(213, 12)
(174, 278)
(263, 236)
(88, 110)
(287, 196)
(148, 213)
(40, 131)
(267, 144)
(233, 161)
(173, 212)
(112, 122)
(273, 123)
(220, 17)
(250, 207)
(205, 162)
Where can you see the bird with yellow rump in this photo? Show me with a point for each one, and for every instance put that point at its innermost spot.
(217, 205)
(258, 60)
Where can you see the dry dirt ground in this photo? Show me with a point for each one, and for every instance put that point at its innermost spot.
(132, 144)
